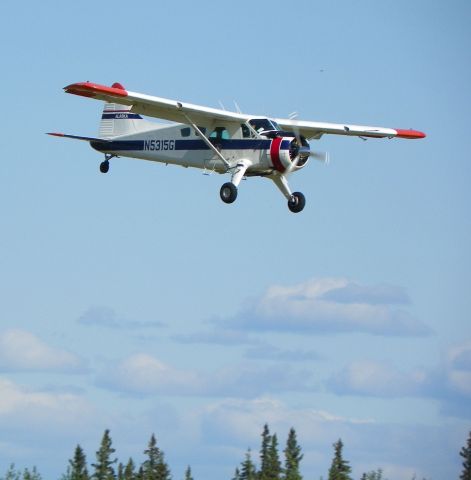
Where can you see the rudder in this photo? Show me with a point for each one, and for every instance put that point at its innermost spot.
(118, 120)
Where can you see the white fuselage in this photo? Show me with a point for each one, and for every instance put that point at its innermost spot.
(181, 145)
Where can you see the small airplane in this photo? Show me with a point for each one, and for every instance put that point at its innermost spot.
(214, 140)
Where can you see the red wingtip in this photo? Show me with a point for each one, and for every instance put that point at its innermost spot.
(88, 89)
(410, 134)
(55, 134)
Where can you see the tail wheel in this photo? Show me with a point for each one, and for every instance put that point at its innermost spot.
(104, 166)
(297, 202)
(228, 192)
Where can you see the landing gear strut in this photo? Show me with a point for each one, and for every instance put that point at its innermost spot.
(105, 165)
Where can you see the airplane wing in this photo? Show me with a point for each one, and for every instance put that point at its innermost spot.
(315, 130)
(154, 106)
(184, 112)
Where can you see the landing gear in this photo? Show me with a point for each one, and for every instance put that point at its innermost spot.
(104, 166)
(228, 192)
(297, 202)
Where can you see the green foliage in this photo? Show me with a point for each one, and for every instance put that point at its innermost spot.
(340, 469)
(264, 456)
(270, 465)
(373, 475)
(188, 475)
(129, 472)
(236, 474)
(12, 473)
(465, 453)
(247, 468)
(274, 464)
(155, 467)
(31, 475)
(78, 465)
(104, 465)
(293, 457)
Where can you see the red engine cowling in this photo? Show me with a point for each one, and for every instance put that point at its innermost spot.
(289, 153)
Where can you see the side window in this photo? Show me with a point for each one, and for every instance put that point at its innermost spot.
(220, 133)
(185, 131)
(203, 131)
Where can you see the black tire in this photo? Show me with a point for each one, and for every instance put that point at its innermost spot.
(297, 202)
(104, 166)
(228, 192)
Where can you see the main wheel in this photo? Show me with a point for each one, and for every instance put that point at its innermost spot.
(228, 192)
(297, 202)
(104, 166)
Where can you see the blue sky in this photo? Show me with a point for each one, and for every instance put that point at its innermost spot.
(138, 301)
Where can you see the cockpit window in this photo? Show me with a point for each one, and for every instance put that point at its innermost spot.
(245, 131)
(263, 124)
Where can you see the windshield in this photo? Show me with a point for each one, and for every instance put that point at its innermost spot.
(263, 124)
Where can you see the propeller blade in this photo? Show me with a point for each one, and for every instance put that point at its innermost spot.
(321, 156)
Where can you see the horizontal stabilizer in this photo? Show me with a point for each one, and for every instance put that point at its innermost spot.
(78, 137)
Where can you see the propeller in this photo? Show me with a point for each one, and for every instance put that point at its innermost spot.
(303, 146)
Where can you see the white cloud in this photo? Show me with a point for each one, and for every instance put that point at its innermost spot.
(19, 405)
(217, 337)
(376, 379)
(448, 382)
(330, 305)
(270, 352)
(22, 351)
(240, 421)
(107, 317)
(144, 374)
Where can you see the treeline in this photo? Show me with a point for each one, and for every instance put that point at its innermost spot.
(154, 467)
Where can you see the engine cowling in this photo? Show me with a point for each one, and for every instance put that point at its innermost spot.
(289, 153)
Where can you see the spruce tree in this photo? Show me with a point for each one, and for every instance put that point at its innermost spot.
(247, 468)
(104, 464)
(263, 474)
(129, 470)
(293, 457)
(188, 475)
(31, 475)
(12, 473)
(120, 472)
(373, 475)
(340, 469)
(274, 464)
(155, 468)
(78, 465)
(466, 454)
(236, 474)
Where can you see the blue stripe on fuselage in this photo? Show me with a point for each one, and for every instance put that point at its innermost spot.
(142, 145)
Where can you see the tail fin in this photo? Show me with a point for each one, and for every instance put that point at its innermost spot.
(118, 120)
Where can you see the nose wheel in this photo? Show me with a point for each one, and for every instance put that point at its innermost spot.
(297, 202)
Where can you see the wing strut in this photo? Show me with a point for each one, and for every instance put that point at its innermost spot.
(204, 137)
